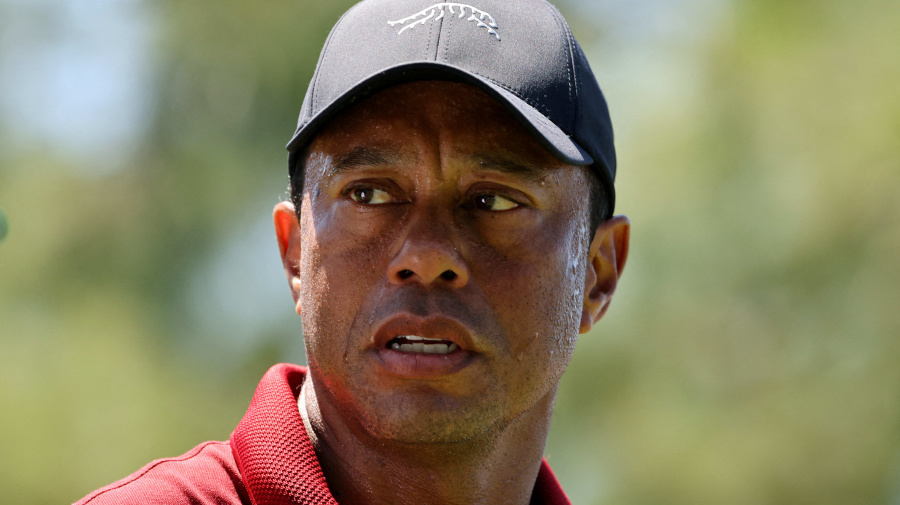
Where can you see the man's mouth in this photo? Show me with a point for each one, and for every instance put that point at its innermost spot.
(417, 344)
(424, 348)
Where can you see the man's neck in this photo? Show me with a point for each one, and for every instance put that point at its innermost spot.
(498, 468)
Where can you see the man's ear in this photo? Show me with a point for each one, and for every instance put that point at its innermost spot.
(287, 231)
(606, 260)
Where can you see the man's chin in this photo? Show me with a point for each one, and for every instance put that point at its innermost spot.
(413, 421)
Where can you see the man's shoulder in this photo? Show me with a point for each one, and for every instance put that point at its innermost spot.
(205, 474)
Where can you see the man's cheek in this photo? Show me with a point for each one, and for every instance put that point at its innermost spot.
(536, 296)
(339, 283)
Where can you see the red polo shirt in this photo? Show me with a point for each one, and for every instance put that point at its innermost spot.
(269, 460)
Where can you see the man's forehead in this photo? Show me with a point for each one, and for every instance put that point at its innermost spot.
(364, 156)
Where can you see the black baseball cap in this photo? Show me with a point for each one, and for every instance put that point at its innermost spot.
(520, 52)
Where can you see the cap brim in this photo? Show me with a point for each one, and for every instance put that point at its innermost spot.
(550, 136)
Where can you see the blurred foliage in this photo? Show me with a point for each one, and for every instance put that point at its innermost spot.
(751, 354)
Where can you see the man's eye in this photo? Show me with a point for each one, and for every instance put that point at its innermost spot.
(494, 203)
(370, 196)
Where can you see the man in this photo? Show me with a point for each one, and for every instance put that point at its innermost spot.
(448, 238)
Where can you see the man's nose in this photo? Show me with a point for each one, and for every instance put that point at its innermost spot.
(429, 256)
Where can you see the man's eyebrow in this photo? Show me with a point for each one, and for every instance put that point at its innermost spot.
(364, 156)
(508, 165)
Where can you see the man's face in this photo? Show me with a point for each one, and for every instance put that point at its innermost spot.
(430, 213)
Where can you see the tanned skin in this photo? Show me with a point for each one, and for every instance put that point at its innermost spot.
(429, 210)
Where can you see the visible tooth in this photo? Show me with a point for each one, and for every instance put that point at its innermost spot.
(435, 348)
(413, 343)
(416, 338)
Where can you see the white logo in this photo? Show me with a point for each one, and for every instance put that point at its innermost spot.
(481, 18)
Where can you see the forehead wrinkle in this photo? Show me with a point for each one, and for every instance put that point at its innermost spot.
(508, 165)
(364, 156)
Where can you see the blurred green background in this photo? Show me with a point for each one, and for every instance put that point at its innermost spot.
(751, 355)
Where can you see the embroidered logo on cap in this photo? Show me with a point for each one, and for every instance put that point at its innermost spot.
(437, 11)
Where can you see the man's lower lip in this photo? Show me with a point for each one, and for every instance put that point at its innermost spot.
(422, 365)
